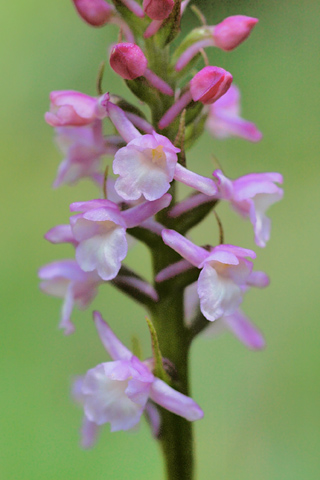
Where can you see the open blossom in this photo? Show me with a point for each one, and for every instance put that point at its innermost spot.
(83, 148)
(251, 196)
(237, 323)
(100, 231)
(72, 108)
(65, 279)
(224, 118)
(149, 163)
(224, 275)
(117, 392)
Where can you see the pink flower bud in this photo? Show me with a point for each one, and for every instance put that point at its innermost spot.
(94, 12)
(232, 31)
(210, 84)
(158, 9)
(128, 60)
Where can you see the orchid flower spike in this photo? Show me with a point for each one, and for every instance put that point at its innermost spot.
(225, 273)
(207, 86)
(251, 196)
(100, 231)
(71, 108)
(224, 118)
(129, 61)
(117, 392)
(227, 35)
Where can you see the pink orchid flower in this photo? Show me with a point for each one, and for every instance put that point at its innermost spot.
(83, 148)
(149, 163)
(237, 323)
(224, 118)
(224, 275)
(117, 392)
(251, 196)
(72, 108)
(100, 231)
(65, 279)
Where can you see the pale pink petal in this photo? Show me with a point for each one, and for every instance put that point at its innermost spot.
(120, 120)
(138, 214)
(140, 285)
(200, 183)
(61, 234)
(110, 341)
(188, 204)
(67, 308)
(173, 270)
(258, 279)
(105, 400)
(191, 252)
(174, 401)
(175, 109)
(190, 302)
(89, 433)
(240, 325)
(219, 295)
(154, 418)
(103, 252)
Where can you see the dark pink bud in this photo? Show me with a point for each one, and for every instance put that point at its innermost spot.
(158, 9)
(210, 84)
(128, 60)
(232, 31)
(94, 12)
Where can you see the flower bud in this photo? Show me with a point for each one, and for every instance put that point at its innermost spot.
(210, 84)
(94, 12)
(128, 60)
(232, 31)
(158, 9)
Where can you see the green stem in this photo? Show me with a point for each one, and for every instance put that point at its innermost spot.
(176, 437)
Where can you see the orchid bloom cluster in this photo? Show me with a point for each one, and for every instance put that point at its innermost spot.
(193, 285)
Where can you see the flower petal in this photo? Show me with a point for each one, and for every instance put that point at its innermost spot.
(174, 401)
(219, 295)
(110, 341)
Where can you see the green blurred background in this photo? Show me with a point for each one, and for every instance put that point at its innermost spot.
(261, 409)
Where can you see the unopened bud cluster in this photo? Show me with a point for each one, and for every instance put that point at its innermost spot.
(146, 160)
